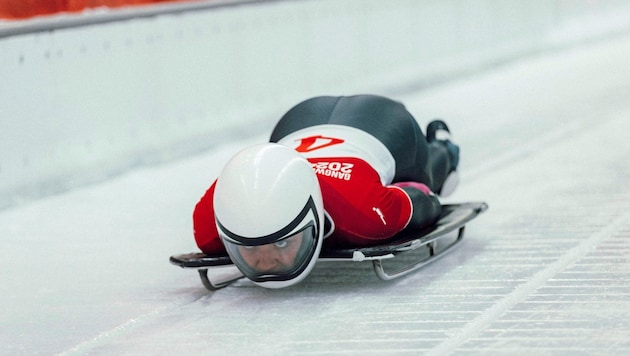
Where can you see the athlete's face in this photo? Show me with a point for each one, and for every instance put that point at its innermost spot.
(275, 257)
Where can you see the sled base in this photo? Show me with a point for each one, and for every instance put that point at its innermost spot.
(453, 219)
(202, 263)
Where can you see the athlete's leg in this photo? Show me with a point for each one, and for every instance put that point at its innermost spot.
(443, 157)
(440, 164)
(387, 120)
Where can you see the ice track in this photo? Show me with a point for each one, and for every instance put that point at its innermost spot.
(545, 270)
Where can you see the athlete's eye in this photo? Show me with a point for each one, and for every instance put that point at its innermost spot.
(282, 244)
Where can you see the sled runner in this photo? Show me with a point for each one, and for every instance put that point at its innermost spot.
(453, 219)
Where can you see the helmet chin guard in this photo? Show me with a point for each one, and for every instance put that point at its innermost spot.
(269, 214)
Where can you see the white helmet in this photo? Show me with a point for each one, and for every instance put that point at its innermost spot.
(269, 214)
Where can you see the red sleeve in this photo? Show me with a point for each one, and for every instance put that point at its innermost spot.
(393, 208)
(205, 229)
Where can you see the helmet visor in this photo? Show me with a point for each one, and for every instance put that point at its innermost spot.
(281, 260)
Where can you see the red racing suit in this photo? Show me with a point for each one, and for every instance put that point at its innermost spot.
(354, 171)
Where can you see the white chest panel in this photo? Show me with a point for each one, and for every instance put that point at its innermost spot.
(343, 141)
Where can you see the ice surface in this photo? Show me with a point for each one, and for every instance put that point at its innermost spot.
(546, 269)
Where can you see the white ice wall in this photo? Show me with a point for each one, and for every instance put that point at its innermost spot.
(81, 103)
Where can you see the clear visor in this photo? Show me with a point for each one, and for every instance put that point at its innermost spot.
(283, 259)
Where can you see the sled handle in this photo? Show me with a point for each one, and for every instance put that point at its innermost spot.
(434, 255)
(221, 283)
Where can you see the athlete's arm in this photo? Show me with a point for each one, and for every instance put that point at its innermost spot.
(426, 206)
(205, 229)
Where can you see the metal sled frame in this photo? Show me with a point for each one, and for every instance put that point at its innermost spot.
(221, 283)
(454, 219)
(434, 255)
